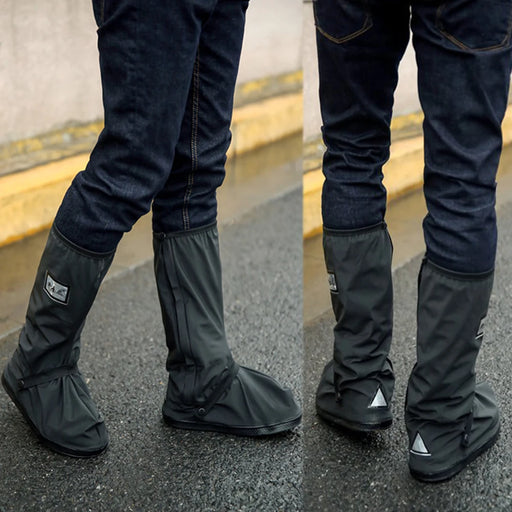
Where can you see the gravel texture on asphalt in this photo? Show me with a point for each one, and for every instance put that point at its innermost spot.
(344, 472)
(150, 466)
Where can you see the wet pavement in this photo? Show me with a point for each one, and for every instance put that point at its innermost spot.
(150, 466)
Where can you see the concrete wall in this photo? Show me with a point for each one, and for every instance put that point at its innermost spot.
(48, 66)
(272, 43)
(406, 96)
(49, 63)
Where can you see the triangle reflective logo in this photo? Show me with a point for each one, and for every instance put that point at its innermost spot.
(419, 447)
(378, 400)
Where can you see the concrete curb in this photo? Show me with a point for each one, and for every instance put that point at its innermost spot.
(29, 199)
(402, 173)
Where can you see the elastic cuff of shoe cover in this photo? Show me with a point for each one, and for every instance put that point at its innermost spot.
(193, 231)
(354, 232)
(80, 250)
(460, 276)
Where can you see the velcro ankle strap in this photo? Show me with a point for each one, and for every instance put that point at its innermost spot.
(47, 376)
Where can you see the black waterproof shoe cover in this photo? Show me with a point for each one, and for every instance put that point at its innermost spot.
(359, 408)
(356, 387)
(59, 410)
(207, 390)
(438, 452)
(450, 419)
(42, 377)
(254, 404)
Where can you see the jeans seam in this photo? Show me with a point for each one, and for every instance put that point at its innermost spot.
(193, 143)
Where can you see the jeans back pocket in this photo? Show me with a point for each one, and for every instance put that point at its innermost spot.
(342, 20)
(476, 25)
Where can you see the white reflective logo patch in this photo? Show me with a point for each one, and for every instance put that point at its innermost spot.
(55, 290)
(332, 282)
(419, 448)
(379, 400)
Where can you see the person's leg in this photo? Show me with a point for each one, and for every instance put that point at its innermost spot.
(359, 48)
(188, 199)
(147, 52)
(464, 63)
(207, 390)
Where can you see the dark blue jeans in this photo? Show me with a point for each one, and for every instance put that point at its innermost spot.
(464, 57)
(168, 71)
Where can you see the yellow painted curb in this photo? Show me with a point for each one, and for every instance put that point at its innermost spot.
(267, 87)
(261, 123)
(402, 173)
(29, 199)
(56, 138)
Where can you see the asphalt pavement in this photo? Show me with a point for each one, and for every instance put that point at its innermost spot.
(150, 466)
(344, 472)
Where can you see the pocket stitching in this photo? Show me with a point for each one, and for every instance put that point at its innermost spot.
(460, 44)
(368, 24)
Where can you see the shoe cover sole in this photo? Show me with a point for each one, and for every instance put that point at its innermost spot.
(457, 468)
(46, 442)
(263, 430)
(354, 426)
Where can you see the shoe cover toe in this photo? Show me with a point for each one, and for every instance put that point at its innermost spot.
(445, 453)
(255, 399)
(63, 414)
(253, 405)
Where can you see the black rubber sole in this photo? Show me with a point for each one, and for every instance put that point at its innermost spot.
(62, 450)
(457, 468)
(353, 426)
(258, 431)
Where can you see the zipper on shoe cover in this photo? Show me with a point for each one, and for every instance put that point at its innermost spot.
(226, 378)
(172, 275)
(181, 318)
(467, 430)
